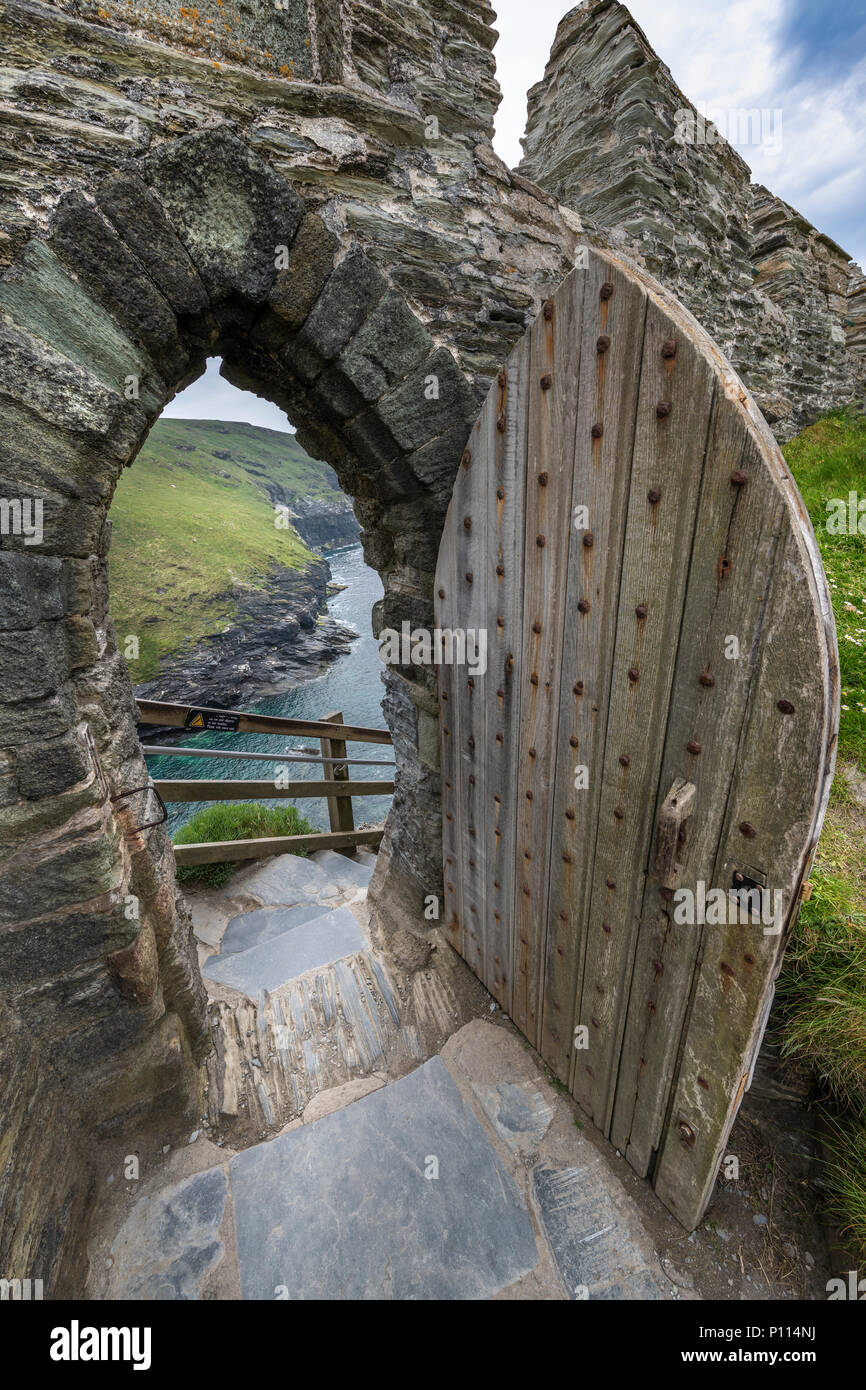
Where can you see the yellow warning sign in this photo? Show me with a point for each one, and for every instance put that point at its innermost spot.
(223, 720)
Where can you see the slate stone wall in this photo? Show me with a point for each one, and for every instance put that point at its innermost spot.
(607, 136)
(151, 192)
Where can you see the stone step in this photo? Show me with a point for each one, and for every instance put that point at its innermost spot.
(285, 881)
(250, 929)
(328, 937)
(345, 872)
(398, 1196)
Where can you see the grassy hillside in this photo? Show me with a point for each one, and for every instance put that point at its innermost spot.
(192, 522)
(822, 989)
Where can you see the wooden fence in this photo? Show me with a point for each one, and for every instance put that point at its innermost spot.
(336, 786)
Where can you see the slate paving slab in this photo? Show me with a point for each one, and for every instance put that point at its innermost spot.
(250, 929)
(345, 872)
(170, 1241)
(591, 1244)
(286, 880)
(520, 1113)
(343, 1209)
(328, 937)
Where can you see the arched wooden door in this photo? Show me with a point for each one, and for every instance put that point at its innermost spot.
(658, 713)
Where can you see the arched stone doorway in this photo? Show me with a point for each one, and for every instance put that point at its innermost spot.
(200, 249)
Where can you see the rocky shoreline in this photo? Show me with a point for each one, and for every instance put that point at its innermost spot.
(279, 639)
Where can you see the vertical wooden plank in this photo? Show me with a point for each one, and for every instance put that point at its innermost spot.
(472, 579)
(739, 521)
(674, 408)
(447, 615)
(552, 403)
(607, 384)
(782, 767)
(506, 485)
(340, 812)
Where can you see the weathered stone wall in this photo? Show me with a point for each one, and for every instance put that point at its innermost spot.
(147, 192)
(783, 302)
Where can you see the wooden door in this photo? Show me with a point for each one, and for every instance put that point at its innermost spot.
(625, 536)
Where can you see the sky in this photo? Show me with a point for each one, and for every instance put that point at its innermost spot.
(803, 62)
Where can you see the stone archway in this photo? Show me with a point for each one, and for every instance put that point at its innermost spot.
(201, 248)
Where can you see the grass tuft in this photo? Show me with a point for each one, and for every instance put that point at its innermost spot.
(229, 820)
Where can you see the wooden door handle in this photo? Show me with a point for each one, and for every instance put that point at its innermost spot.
(675, 811)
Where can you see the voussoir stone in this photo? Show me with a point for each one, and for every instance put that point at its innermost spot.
(231, 210)
(140, 219)
(297, 287)
(91, 248)
(389, 343)
(354, 287)
(428, 402)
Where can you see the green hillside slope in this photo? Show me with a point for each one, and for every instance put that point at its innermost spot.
(193, 528)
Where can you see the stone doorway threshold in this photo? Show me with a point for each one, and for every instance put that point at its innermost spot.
(362, 1140)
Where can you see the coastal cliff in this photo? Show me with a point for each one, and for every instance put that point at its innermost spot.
(218, 594)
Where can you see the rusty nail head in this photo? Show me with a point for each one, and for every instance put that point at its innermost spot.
(641, 610)
(441, 593)
(546, 382)
(654, 495)
(547, 309)
(468, 576)
(686, 1133)
(785, 706)
(618, 813)
(583, 606)
(578, 687)
(502, 378)
(669, 349)
(467, 458)
(588, 540)
(540, 542)
(536, 626)
(633, 673)
(610, 883)
(624, 759)
(748, 830)
(500, 493)
(569, 815)
(573, 741)
(694, 748)
(467, 523)
(500, 570)
(602, 343)
(500, 424)
(606, 291)
(738, 478)
(663, 410)
(706, 679)
(597, 431)
(543, 479)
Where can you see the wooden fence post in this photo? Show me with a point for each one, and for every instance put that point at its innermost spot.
(339, 807)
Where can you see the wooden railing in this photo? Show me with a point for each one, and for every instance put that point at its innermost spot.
(336, 786)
